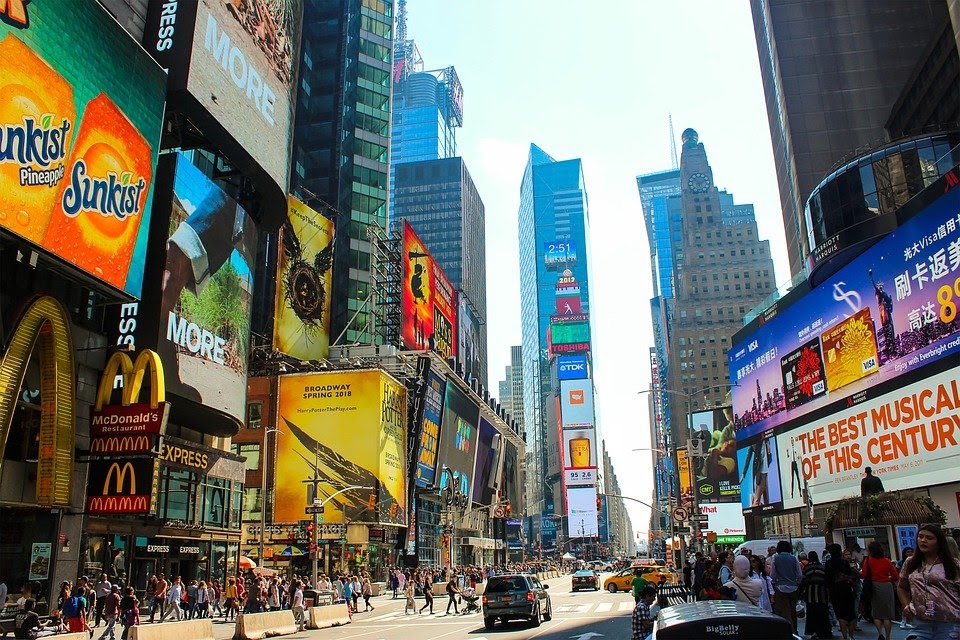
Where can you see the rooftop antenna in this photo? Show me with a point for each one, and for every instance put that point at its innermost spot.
(673, 144)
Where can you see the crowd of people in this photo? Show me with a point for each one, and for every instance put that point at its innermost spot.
(837, 589)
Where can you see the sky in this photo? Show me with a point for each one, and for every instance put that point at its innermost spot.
(597, 81)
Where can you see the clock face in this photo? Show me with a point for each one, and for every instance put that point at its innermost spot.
(699, 182)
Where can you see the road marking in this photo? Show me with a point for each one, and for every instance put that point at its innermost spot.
(626, 606)
(604, 606)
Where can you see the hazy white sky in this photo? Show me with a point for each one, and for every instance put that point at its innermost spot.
(596, 81)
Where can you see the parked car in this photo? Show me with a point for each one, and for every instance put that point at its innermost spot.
(600, 565)
(516, 596)
(585, 579)
(621, 580)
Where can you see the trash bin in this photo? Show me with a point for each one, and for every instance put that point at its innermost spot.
(720, 620)
(318, 598)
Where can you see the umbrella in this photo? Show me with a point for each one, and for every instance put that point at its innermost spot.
(569, 556)
(247, 563)
(292, 551)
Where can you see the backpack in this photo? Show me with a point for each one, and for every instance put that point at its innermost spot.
(71, 607)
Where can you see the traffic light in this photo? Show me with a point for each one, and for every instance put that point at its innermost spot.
(599, 502)
(700, 444)
(508, 509)
(372, 501)
(310, 529)
(393, 510)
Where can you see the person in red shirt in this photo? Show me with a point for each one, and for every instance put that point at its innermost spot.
(883, 576)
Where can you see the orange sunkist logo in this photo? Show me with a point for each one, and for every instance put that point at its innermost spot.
(15, 12)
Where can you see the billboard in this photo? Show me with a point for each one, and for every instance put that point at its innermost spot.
(468, 338)
(512, 479)
(458, 439)
(579, 448)
(908, 436)
(576, 403)
(205, 291)
(723, 518)
(572, 367)
(715, 475)
(232, 65)
(79, 139)
(582, 512)
(301, 326)
(685, 478)
(888, 312)
(123, 485)
(759, 466)
(559, 254)
(486, 465)
(430, 433)
(349, 426)
(428, 301)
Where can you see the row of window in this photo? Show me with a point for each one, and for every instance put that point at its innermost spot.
(733, 252)
(736, 276)
(376, 27)
(196, 498)
(726, 287)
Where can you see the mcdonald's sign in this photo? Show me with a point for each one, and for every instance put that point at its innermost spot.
(128, 427)
(44, 328)
(120, 486)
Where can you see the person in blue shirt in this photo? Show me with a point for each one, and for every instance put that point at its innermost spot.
(786, 577)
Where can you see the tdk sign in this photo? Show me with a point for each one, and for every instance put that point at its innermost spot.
(572, 367)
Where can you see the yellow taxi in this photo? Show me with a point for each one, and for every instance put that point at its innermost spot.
(621, 580)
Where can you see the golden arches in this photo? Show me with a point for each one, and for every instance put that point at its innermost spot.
(132, 372)
(44, 325)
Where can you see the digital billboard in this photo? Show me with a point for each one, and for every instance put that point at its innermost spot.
(458, 439)
(559, 254)
(512, 478)
(350, 427)
(232, 66)
(715, 475)
(759, 466)
(723, 518)
(201, 295)
(428, 300)
(685, 478)
(572, 367)
(80, 117)
(909, 436)
(582, 512)
(486, 464)
(887, 313)
(579, 448)
(570, 332)
(576, 403)
(469, 327)
(430, 433)
(803, 374)
(301, 326)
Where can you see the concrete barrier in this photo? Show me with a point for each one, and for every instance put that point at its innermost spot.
(378, 588)
(198, 628)
(256, 626)
(80, 635)
(330, 616)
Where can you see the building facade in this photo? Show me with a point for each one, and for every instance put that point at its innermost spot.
(511, 387)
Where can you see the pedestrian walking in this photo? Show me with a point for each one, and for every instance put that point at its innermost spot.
(882, 576)
(110, 611)
(428, 596)
(75, 611)
(786, 577)
(408, 593)
(174, 596)
(929, 589)
(102, 590)
(297, 605)
(453, 591)
(813, 590)
(231, 601)
(841, 581)
(355, 590)
(366, 590)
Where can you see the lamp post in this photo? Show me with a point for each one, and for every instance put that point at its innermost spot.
(319, 505)
(670, 498)
(264, 458)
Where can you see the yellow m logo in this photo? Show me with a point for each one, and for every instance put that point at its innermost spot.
(44, 325)
(132, 372)
(120, 471)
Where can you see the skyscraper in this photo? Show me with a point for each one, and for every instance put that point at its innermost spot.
(832, 72)
(511, 387)
(440, 200)
(341, 146)
(555, 287)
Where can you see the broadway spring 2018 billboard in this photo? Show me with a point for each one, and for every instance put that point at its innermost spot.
(350, 427)
(81, 107)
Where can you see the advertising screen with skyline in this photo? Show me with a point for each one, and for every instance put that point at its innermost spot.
(582, 512)
(458, 440)
(887, 313)
(80, 139)
(428, 300)
(350, 426)
(301, 326)
(486, 465)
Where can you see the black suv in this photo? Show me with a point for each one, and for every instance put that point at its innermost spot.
(516, 596)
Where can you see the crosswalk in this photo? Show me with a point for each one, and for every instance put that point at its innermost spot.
(558, 609)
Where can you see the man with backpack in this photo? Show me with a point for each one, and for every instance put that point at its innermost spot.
(75, 611)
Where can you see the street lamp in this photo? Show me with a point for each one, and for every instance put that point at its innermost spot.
(264, 458)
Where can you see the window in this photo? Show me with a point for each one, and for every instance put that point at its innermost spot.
(251, 503)
(250, 451)
(254, 415)
(177, 495)
(216, 492)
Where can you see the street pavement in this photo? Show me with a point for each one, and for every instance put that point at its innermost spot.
(586, 615)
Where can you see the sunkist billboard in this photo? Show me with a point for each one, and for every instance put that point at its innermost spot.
(80, 117)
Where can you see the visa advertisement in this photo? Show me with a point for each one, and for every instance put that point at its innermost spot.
(486, 466)
(79, 139)
(572, 367)
(582, 512)
(205, 291)
(430, 433)
(890, 311)
(301, 327)
(908, 436)
(715, 475)
(576, 403)
(348, 426)
(428, 300)
(458, 440)
(237, 62)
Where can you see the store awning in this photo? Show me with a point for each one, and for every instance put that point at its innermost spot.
(895, 512)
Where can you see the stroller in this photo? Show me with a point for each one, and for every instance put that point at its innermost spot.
(470, 597)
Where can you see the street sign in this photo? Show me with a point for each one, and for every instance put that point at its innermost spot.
(313, 509)
(680, 514)
(701, 518)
